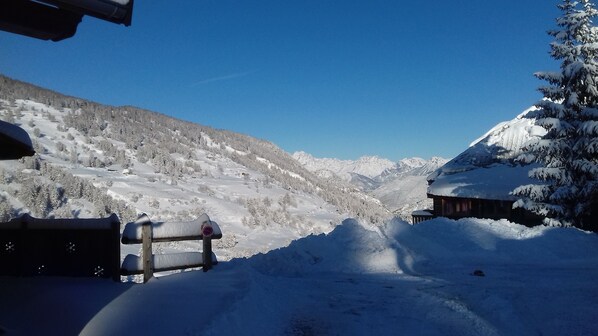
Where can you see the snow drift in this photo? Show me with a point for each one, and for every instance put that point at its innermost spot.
(466, 277)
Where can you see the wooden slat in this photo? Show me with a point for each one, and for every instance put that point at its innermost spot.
(165, 262)
(128, 241)
(147, 253)
(168, 231)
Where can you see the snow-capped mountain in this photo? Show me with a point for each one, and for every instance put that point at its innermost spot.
(410, 167)
(93, 160)
(401, 186)
(368, 166)
(367, 171)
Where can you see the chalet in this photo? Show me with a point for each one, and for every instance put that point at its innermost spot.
(479, 181)
(484, 192)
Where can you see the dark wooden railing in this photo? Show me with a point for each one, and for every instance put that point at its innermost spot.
(419, 216)
(61, 247)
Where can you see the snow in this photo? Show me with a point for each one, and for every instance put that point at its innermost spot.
(164, 230)
(440, 277)
(489, 168)
(421, 213)
(134, 264)
(400, 186)
(493, 182)
(221, 189)
(15, 132)
(369, 166)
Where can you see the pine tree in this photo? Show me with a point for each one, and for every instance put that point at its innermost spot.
(568, 153)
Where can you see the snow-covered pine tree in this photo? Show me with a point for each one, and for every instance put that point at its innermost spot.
(568, 153)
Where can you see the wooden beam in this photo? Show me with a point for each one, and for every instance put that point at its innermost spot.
(147, 254)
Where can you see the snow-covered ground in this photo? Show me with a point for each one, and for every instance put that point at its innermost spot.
(441, 277)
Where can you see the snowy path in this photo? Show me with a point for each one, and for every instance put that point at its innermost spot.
(508, 302)
(348, 305)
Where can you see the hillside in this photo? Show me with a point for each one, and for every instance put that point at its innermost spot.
(93, 160)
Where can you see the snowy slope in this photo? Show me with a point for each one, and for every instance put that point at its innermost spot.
(223, 189)
(356, 280)
(93, 160)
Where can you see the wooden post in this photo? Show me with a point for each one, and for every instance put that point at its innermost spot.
(207, 253)
(206, 232)
(146, 249)
(115, 227)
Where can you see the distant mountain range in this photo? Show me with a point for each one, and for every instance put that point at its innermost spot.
(400, 186)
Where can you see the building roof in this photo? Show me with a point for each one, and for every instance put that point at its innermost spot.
(14, 142)
(488, 169)
(58, 19)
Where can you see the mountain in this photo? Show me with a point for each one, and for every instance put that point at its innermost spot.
(405, 189)
(368, 166)
(94, 159)
(401, 186)
(367, 171)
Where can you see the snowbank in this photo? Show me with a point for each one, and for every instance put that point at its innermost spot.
(440, 277)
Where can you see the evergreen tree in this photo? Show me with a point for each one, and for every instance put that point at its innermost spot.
(568, 153)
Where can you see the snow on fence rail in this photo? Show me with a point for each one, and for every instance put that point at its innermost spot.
(62, 247)
(144, 231)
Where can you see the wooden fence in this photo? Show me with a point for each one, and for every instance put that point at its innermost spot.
(63, 247)
(144, 231)
(91, 247)
(419, 216)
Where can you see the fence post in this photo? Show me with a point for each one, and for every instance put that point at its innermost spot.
(146, 249)
(207, 253)
(206, 231)
(115, 227)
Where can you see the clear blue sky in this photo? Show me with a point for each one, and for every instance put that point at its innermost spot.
(338, 78)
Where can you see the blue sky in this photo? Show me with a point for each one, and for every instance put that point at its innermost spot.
(338, 78)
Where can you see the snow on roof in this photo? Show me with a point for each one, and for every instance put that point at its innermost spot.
(492, 182)
(170, 230)
(15, 142)
(488, 168)
(421, 213)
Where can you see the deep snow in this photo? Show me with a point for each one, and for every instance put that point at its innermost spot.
(356, 280)
(489, 168)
